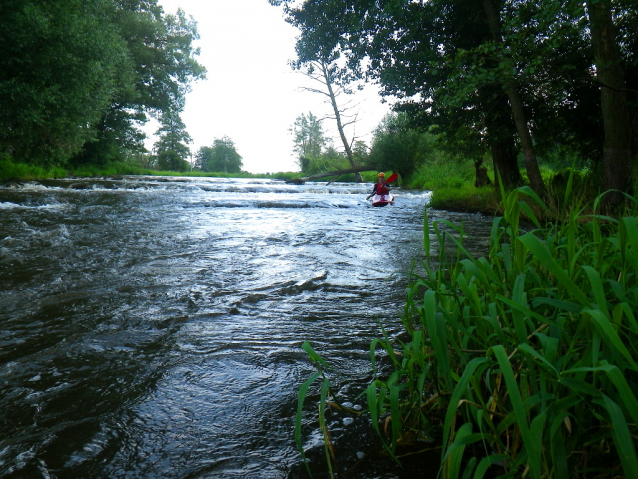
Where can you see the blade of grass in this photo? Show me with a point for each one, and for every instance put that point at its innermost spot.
(303, 391)
(455, 399)
(546, 259)
(622, 438)
(533, 452)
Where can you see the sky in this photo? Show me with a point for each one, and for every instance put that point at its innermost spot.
(251, 94)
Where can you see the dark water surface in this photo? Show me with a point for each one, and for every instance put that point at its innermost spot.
(151, 327)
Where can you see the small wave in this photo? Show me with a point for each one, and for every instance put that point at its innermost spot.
(279, 204)
(46, 206)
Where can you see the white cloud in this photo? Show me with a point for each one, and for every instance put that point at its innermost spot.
(251, 94)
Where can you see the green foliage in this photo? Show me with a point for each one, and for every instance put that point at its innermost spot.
(161, 66)
(398, 147)
(17, 171)
(222, 157)
(450, 67)
(308, 138)
(529, 344)
(443, 173)
(60, 62)
(170, 160)
(171, 147)
(78, 77)
(522, 361)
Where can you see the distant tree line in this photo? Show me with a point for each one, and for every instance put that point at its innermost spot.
(79, 78)
(506, 78)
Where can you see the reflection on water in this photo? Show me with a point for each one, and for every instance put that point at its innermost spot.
(151, 327)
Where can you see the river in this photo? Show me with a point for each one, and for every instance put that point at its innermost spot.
(151, 327)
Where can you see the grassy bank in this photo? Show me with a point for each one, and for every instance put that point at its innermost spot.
(452, 186)
(521, 363)
(10, 171)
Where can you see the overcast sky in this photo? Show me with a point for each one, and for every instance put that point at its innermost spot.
(251, 94)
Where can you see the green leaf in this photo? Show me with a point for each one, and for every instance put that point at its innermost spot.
(318, 360)
(531, 446)
(547, 259)
(488, 461)
(457, 394)
(527, 349)
(622, 438)
(607, 331)
(454, 455)
(303, 391)
(597, 288)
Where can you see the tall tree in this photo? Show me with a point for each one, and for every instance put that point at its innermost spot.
(617, 159)
(77, 78)
(325, 72)
(60, 61)
(398, 147)
(512, 70)
(516, 103)
(408, 48)
(162, 66)
(172, 145)
(308, 138)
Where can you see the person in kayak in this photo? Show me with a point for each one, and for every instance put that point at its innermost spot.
(379, 188)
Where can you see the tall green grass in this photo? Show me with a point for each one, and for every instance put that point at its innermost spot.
(10, 171)
(522, 363)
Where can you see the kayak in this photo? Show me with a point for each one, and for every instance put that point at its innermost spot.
(382, 200)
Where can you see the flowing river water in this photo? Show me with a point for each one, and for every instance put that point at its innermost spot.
(152, 327)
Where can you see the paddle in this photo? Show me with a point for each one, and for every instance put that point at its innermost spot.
(391, 178)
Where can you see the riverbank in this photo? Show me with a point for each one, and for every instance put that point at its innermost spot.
(453, 189)
(10, 171)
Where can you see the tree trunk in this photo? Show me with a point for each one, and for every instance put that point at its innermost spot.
(481, 178)
(617, 164)
(504, 161)
(518, 112)
(500, 136)
(335, 107)
(326, 174)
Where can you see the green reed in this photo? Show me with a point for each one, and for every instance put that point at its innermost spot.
(523, 362)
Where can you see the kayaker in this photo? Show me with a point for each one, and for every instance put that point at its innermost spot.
(379, 187)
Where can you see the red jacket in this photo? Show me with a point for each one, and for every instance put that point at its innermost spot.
(380, 189)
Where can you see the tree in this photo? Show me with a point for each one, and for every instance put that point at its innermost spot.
(161, 67)
(222, 157)
(172, 145)
(78, 78)
(407, 46)
(617, 159)
(398, 147)
(325, 72)
(308, 138)
(516, 103)
(517, 72)
(361, 152)
(60, 61)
